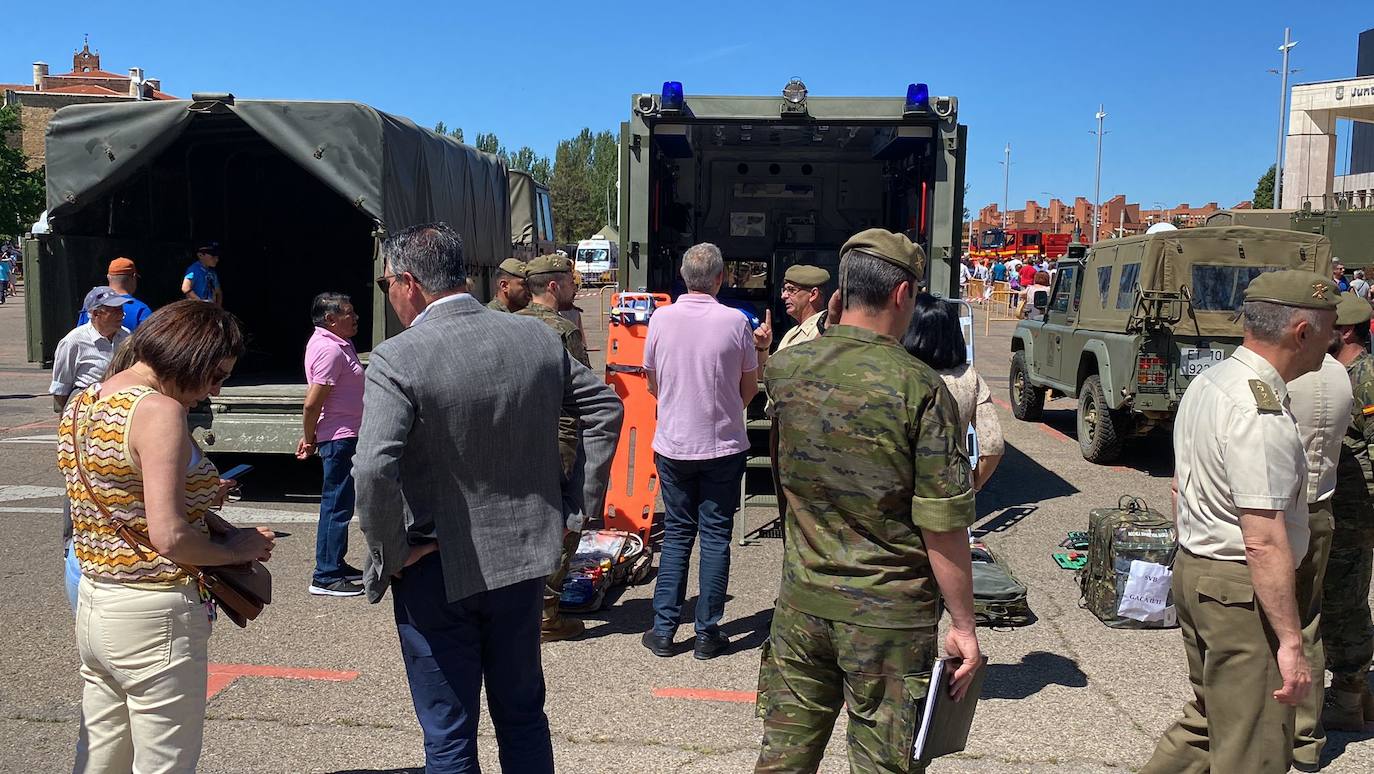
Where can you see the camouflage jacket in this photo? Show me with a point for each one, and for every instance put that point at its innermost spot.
(868, 456)
(573, 342)
(1351, 503)
(497, 304)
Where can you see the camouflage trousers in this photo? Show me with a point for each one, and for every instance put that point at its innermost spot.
(553, 585)
(1346, 630)
(811, 666)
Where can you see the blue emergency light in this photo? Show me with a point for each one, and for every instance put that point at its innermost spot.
(672, 100)
(917, 98)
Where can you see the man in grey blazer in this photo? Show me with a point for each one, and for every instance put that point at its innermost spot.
(462, 500)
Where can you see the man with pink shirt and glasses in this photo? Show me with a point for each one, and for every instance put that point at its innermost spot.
(333, 413)
(702, 361)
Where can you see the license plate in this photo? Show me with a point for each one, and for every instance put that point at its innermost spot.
(1197, 360)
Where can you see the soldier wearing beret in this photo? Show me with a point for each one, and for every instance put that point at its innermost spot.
(1320, 401)
(551, 287)
(804, 300)
(1347, 638)
(879, 497)
(512, 292)
(1241, 512)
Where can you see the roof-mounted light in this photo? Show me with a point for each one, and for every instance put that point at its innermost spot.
(671, 100)
(917, 99)
(794, 98)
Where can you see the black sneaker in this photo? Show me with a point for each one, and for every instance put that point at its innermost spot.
(339, 588)
(351, 573)
(658, 644)
(709, 646)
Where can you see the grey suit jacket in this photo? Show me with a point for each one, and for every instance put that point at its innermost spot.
(459, 444)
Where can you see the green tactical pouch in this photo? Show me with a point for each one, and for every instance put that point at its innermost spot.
(1119, 536)
(999, 599)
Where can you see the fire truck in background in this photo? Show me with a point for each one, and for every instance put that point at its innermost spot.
(1024, 243)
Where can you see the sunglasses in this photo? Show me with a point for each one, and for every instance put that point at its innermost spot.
(384, 281)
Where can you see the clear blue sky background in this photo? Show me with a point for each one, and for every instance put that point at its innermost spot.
(1192, 110)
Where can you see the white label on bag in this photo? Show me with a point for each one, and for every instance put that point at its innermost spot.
(1146, 596)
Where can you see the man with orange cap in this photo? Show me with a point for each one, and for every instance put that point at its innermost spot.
(123, 277)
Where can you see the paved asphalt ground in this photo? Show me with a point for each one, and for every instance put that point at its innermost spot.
(317, 685)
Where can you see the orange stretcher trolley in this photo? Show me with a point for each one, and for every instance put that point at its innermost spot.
(633, 484)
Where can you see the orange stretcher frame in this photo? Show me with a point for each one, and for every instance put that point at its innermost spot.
(633, 485)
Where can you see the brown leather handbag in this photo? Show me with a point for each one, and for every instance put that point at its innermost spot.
(241, 591)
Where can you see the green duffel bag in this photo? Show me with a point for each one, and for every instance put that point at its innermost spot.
(1118, 536)
(999, 599)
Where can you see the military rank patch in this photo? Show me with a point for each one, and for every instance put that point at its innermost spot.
(1265, 399)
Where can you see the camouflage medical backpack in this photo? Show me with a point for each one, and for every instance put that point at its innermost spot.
(1120, 535)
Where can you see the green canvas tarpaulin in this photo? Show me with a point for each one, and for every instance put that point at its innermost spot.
(385, 165)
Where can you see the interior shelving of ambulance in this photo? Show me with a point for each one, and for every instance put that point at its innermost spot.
(775, 182)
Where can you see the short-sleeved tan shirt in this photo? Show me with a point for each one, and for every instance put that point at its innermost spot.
(1237, 448)
(1320, 402)
(806, 330)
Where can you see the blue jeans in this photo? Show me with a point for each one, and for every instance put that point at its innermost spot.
(700, 497)
(336, 509)
(451, 648)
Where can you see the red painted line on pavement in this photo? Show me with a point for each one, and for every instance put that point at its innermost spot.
(222, 675)
(1002, 403)
(706, 694)
(42, 423)
(1055, 433)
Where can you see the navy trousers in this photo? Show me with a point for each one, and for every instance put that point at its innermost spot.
(336, 510)
(451, 648)
(700, 498)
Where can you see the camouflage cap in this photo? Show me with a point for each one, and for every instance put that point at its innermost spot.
(1293, 287)
(1353, 310)
(548, 264)
(806, 275)
(513, 266)
(895, 249)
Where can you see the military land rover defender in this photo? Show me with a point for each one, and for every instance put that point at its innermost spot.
(1126, 327)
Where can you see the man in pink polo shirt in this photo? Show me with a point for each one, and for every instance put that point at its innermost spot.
(333, 413)
(703, 362)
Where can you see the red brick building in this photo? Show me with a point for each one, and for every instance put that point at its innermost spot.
(45, 93)
(1119, 217)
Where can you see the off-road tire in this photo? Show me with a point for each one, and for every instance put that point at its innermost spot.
(1027, 400)
(1100, 429)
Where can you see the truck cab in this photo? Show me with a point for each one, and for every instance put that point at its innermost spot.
(1128, 324)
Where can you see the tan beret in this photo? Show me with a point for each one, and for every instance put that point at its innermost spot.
(548, 264)
(806, 275)
(513, 266)
(1293, 287)
(1353, 310)
(884, 245)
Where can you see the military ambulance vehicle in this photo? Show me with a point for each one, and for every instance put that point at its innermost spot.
(299, 196)
(1129, 325)
(781, 180)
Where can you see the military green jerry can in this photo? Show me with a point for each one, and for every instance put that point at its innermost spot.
(1119, 536)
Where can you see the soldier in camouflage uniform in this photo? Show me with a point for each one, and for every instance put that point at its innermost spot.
(1348, 640)
(878, 499)
(550, 282)
(512, 293)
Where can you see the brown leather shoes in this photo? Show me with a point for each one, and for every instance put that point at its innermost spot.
(561, 628)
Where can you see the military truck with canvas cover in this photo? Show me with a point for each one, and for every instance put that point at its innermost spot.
(781, 180)
(1351, 231)
(1128, 327)
(298, 194)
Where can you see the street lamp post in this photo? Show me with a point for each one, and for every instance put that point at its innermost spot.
(1097, 184)
(1049, 201)
(1006, 183)
(1283, 117)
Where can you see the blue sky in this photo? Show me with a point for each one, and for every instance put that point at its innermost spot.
(1192, 110)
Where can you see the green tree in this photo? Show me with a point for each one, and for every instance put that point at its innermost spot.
(456, 132)
(21, 189)
(584, 176)
(487, 143)
(1264, 191)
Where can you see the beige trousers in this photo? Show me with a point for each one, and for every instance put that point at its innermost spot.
(143, 672)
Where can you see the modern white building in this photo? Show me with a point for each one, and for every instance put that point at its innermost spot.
(1309, 166)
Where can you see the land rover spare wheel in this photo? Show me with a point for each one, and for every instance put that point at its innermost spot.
(1027, 400)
